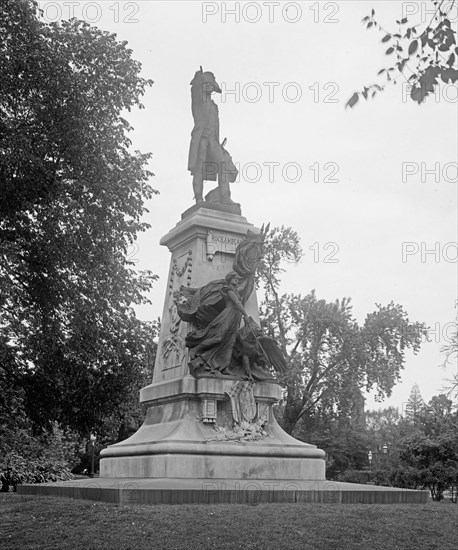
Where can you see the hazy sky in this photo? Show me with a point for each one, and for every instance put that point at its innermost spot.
(355, 184)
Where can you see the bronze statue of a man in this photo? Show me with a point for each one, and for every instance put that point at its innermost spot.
(208, 160)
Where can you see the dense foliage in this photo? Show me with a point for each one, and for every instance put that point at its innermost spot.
(417, 449)
(28, 458)
(72, 198)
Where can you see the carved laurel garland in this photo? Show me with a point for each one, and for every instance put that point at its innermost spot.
(180, 271)
(173, 344)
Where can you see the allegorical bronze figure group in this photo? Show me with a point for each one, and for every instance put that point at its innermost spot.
(218, 344)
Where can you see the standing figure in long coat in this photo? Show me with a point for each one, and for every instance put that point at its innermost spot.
(208, 160)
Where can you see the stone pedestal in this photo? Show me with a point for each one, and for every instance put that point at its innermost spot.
(178, 438)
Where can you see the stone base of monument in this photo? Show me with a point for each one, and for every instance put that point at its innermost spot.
(201, 426)
(223, 491)
(180, 437)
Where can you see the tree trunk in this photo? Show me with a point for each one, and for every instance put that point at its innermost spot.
(291, 414)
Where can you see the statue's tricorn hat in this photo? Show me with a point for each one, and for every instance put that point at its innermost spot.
(209, 78)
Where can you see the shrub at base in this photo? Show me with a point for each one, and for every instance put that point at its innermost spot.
(16, 470)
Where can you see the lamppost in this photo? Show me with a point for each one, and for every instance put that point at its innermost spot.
(92, 438)
(385, 450)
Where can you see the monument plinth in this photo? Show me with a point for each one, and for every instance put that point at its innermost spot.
(208, 425)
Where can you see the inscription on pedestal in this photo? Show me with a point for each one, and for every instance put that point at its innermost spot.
(221, 242)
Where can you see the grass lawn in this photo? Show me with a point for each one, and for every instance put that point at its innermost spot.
(28, 522)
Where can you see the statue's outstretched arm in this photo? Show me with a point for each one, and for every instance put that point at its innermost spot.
(238, 304)
(197, 99)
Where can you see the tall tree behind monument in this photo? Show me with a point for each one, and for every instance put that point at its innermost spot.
(72, 199)
(331, 356)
